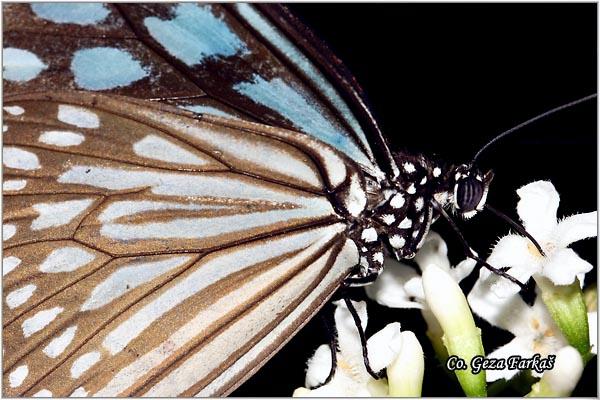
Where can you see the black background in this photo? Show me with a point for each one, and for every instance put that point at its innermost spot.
(445, 78)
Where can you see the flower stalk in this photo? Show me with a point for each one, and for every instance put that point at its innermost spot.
(567, 307)
(461, 336)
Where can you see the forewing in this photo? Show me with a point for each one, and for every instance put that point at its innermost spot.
(225, 60)
(151, 251)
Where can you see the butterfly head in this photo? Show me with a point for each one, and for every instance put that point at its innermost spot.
(470, 190)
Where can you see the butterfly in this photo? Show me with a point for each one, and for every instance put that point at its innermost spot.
(167, 230)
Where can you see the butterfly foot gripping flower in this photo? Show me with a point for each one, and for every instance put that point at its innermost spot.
(399, 352)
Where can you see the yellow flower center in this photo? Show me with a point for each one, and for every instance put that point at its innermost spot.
(548, 247)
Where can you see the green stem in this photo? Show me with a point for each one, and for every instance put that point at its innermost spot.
(567, 307)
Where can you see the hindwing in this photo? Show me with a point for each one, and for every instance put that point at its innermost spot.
(152, 251)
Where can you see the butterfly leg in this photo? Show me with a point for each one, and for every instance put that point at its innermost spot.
(363, 341)
(333, 347)
(470, 253)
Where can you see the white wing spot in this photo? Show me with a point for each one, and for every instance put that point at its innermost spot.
(411, 189)
(14, 185)
(389, 219)
(78, 116)
(419, 204)
(405, 224)
(4, 128)
(437, 172)
(158, 148)
(14, 110)
(415, 234)
(79, 392)
(8, 231)
(66, 259)
(62, 138)
(57, 214)
(397, 201)
(356, 200)
(369, 235)
(13, 157)
(364, 262)
(16, 378)
(60, 343)
(378, 257)
(423, 181)
(409, 167)
(43, 393)
(83, 363)
(9, 263)
(397, 241)
(20, 296)
(40, 320)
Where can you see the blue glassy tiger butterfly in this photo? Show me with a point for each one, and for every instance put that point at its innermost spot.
(185, 185)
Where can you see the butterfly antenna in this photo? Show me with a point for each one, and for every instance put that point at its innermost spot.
(529, 121)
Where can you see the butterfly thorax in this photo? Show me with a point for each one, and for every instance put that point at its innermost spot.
(401, 210)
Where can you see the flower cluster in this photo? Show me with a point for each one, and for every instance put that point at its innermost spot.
(560, 324)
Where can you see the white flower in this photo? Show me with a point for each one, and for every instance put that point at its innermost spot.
(562, 379)
(537, 209)
(351, 377)
(450, 325)
(400, 286)
(534, 329)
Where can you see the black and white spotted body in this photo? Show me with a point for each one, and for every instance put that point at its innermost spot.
(401, 210)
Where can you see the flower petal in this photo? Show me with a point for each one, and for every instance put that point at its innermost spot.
(520, 346)
(510, 313)
(593, 329)
(397, 286)
(537, 208)
(318, 366)
(347, 334)
(384, 346)
(433, 251)
(463, 269)
(514, 251)
(564, 265)
(576, 227)
(405, 374)
(562, 379)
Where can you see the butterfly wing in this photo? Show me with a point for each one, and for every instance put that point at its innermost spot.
(152, 251)
(241, 60)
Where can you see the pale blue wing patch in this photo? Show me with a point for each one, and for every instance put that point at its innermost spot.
(205, 109)
(195, 34)
(301, 111)
(71, 13)
(94, 69)
(20, 65)
(290, 51)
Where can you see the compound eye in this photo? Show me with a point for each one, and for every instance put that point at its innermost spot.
(469, 192)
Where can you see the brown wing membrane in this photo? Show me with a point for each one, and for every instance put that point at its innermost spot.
(148, 251)
(208, 58)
